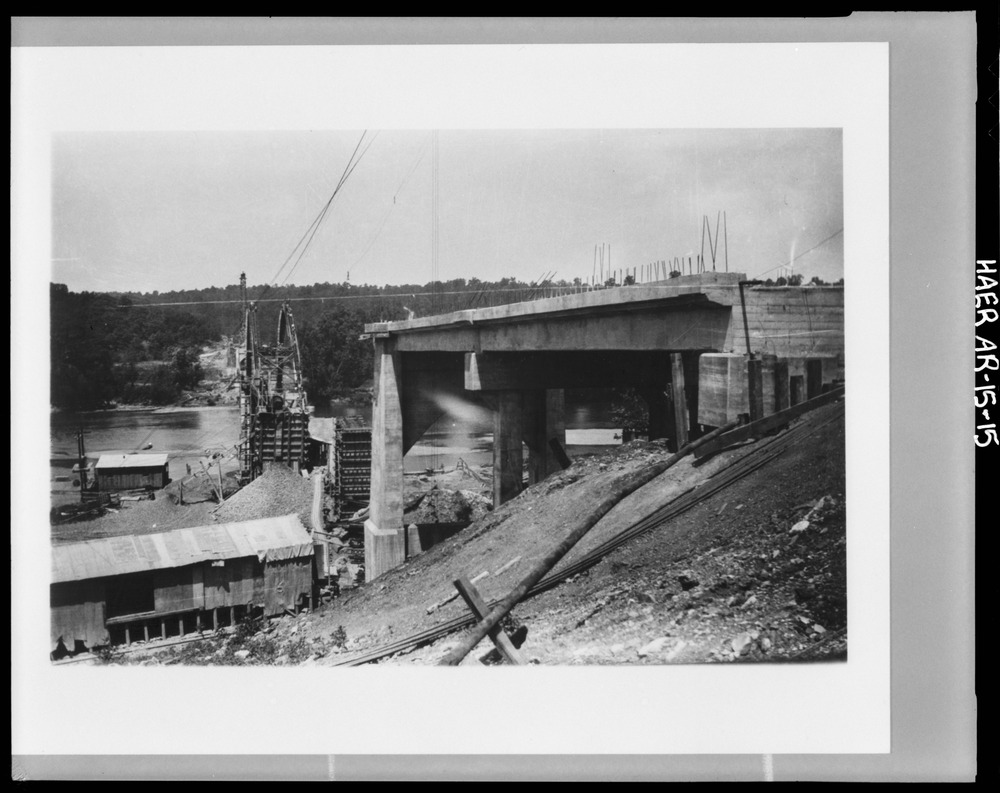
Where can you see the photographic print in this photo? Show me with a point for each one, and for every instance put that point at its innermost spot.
(532, 362)
(328, 398)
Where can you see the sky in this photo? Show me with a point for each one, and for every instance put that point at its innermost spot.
(149, 211)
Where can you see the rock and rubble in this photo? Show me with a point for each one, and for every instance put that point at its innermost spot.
(276, 492)
(727, 581)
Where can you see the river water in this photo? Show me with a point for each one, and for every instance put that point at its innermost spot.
(190, 436)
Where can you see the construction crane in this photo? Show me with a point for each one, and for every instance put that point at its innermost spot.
(274, 410)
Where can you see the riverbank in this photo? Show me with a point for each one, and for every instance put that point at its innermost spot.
(753, 571)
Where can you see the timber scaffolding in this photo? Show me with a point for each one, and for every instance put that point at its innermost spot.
(274, 410)
(352, 463)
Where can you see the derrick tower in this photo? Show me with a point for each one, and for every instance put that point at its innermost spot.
(274, 410)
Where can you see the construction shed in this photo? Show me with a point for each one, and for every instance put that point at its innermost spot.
(131, 472)
(120, 589)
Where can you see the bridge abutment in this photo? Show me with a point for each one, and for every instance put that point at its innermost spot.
(683, 345)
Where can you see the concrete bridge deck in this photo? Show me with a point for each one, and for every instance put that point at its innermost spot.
(517, 359)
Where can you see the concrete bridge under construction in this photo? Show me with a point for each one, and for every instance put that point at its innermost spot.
(687, 345)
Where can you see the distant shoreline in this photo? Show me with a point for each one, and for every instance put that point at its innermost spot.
(148, 408)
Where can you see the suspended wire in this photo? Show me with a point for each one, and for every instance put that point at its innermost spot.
(343, 180)
(800, 255)
(311, 231)
(385, 296)
(391, 208)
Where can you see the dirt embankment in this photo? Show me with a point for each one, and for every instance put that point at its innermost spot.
(755, 572)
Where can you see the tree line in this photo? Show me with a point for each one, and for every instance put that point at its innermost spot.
(109, 348)
(103, 352)
(125, 348)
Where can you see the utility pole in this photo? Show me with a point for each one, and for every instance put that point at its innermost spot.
(755, 372)
(82, 463)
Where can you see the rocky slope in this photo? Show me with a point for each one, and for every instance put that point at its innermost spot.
(755, 572)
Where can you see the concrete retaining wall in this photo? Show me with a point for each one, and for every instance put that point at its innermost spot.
(790, 322)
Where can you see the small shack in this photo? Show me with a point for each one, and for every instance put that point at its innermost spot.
(131, 472)
(119, 589)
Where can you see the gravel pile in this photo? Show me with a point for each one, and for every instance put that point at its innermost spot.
(279, 491)
(198, 489)
(137, 517)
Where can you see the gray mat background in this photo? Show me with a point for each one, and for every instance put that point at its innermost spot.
(932, 158)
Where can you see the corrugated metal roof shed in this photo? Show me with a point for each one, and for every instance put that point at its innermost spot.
(267, 539)
(132, 461)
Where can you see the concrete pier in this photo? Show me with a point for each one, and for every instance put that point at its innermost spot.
(679, 343)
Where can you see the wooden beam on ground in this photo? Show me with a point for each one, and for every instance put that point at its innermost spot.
(479, 607)
(432, 608)
(624, 485)
(767, 424)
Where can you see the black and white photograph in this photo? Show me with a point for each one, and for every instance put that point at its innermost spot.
(524, 397)
(566, 366)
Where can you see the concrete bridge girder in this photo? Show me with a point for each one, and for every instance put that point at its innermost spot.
(517, 359)
(701, 325)
(525, 392)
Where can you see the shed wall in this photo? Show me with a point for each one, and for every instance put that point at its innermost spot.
(78, 613)
(179, 589)
(131, 478)
(285, 582)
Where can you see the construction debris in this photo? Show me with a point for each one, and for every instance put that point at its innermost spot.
(447, 506)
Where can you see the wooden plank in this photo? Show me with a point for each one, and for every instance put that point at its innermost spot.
(769, 423)
(507, 566)
(432, 608)
(479, 607)
(814, 377)
(755, 380)
(782, 396)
